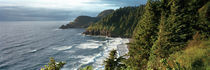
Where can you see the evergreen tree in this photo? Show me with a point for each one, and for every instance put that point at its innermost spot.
(120, 23)
(146, 29)
(114, 63)
(111, 63)
(203, 23)
(158, 49)
(53, 65)
(144, 35)
(174, 32)
(165, 28)
(175, 29)
(87, 68)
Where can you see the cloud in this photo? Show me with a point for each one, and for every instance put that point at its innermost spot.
(59, 4)
(57, 9)
(10, 13)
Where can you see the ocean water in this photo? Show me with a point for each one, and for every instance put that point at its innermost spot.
(27, 45)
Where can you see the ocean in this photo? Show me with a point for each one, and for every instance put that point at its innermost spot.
(27, 45)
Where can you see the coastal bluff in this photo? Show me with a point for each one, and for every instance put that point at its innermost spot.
(85, 21)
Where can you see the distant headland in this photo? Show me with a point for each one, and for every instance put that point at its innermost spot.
(85, 21)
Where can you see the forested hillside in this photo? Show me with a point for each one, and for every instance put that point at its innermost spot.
(121, 23)
(166, 35)
(86, 21)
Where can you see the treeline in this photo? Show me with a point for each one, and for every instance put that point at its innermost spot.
(165, 35)
(120, 23)
(171, 34)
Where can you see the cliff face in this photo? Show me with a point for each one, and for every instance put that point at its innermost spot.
(85, 21)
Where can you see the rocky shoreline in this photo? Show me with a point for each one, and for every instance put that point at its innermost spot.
(102, 33)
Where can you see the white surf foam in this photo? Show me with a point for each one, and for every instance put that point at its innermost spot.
(32, 51)
(110, 45)
(93, 41)
(98, 59)
(79, 34)
(56, 29)
(63, 48)
(89, 45)
(122, 48)
(69, 51)
(87, 59)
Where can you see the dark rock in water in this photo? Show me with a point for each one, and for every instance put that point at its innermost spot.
(85, 21)
(101, 33)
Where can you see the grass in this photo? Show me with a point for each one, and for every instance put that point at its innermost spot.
(194, 57)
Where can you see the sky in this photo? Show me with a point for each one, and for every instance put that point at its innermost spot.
(52, 10)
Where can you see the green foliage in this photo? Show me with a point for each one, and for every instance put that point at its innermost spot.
(203, 24)
(164, 29)
(162, 35)
(194, 57)
(120, 23)
(87, 68)
(111, 63)
(173, 33)
(144, 36)
(114, 63)
(53, 65)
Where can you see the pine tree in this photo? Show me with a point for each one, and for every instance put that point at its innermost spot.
(144, 36)
(111, 61)
(87, 68)
(158, 50)
(174, 32)
(120, 23)
(53, 65)
(203, 23)
(146, 29)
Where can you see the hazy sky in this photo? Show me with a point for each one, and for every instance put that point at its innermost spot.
(57, 9)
